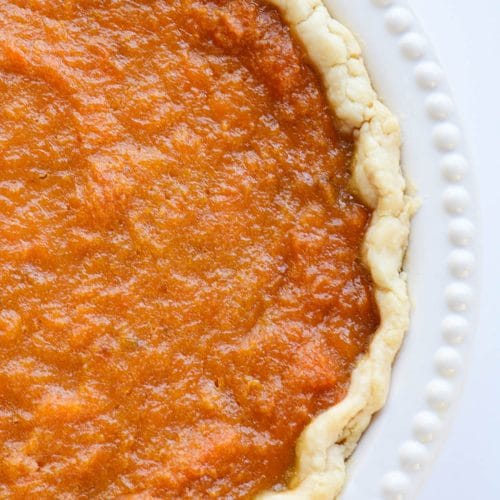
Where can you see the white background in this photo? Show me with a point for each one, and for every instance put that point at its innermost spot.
(466, 36)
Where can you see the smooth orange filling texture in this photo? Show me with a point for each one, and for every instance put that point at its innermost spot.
(181, 289)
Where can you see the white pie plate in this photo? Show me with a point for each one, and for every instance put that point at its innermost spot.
(400, 445)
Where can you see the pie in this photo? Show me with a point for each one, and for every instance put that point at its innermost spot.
(202, 227)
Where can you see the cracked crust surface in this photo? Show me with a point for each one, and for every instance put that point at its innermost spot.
(328, 441)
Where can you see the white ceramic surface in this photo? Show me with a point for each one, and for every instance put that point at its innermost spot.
(466, 38)
(403, 441)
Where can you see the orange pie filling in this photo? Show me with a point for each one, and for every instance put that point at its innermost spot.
(180, 274)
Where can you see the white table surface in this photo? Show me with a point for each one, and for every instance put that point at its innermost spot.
(466, 36)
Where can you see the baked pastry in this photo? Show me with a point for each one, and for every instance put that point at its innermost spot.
(202, 227)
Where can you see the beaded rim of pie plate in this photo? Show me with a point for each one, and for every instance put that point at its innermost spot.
(446, 138)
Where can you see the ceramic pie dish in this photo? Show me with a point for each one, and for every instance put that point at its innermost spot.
(204, 227)
(399, 447)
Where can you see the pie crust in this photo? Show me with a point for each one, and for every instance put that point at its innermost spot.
(327, 442)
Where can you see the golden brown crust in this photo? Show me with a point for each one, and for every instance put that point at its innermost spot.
(331, 437)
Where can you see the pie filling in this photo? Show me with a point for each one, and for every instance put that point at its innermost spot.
(181, 288)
